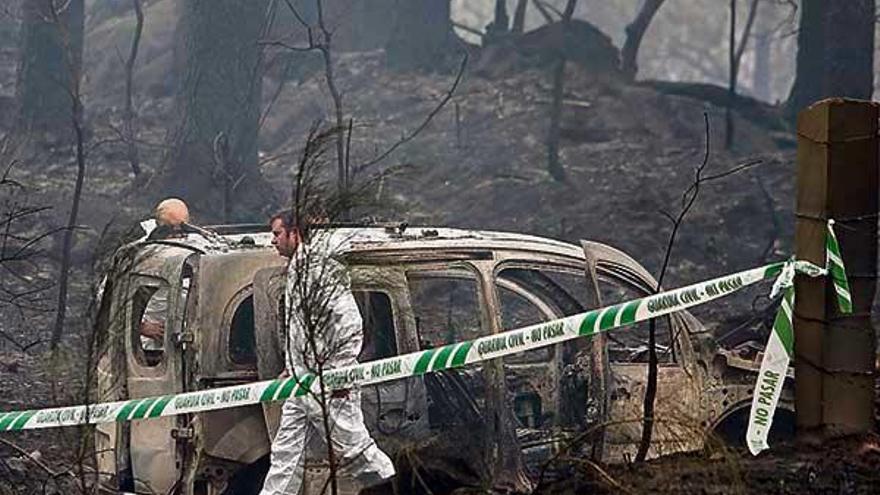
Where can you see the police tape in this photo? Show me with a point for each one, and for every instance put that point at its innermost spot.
(398, 367)
(780, 346)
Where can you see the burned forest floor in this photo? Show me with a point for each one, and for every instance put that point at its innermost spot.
(629, 151)
(847, 466)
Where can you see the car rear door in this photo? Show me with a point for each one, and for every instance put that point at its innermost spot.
(154, 367)
(268, 334)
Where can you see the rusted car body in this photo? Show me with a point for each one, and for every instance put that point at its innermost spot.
(416, 288)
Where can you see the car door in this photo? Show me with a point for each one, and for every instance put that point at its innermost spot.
(677, 425)
(394, 411)
(110, 324)
(457, 301)
(155, 291)
(445, 304)
(269, 339)
(549, 384)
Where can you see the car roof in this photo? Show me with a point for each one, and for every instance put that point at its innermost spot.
(381, 244)
(357, 239)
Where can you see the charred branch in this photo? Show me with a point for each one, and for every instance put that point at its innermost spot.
(688, 199)
(129, 117)
(71, 64)
(519, 17)
(635, 31)
(544, 11)
(736, 53)
(500, 25)
(554, 167)
(409, 136)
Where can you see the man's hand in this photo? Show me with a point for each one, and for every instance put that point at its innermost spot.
(284, 374)
(152, 329)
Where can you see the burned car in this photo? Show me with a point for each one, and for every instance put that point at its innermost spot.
(416, 288)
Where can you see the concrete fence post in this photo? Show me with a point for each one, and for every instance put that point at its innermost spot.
(837, 177)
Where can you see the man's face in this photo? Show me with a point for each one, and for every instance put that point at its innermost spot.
(285, 241)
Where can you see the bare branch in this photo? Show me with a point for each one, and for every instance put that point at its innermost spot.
(619, 488)
(774, 219)
(635, 31)
(743, 41)
(735, 55)
(297, 15)
(545, 13)
(37, 462)
(130, 132)
(550, 7)
(348, 148)
(77, 126)
(468, 29)
(324, 46)
(20, 290)
(554, 167)
(734, 170)
(688, 200)
(272, 101)
(285, 45)
(410, 136)
(519, 17)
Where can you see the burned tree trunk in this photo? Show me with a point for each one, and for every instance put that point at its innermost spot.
(519, 17)
(218, 99)
(808, 82)
(731, 84)
(51, 40)
(422, 36)
(51, 62)
(500, 25)
(835, 52)
(128, 122)
(554, 166)
(635, 31)
(736, 54)
(761, 75)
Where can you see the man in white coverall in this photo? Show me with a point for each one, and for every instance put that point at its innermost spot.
(327, 338)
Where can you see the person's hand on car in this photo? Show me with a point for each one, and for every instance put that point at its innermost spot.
(152, 329)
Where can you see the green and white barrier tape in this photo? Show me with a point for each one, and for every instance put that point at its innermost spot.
(403, 366)
(780, 346)
(460, 354)
(834, 265)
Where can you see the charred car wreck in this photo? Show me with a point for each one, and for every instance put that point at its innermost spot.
(416, 288)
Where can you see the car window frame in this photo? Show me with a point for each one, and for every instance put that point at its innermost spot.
(676, 338)
(135, 350)
(228, 316)
(395, 316)
(449, 270)
(509, 263)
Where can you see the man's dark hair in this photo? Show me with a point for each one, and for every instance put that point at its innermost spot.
(289, 220)
(287, 217)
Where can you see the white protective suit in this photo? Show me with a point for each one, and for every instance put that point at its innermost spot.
(315, 280)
